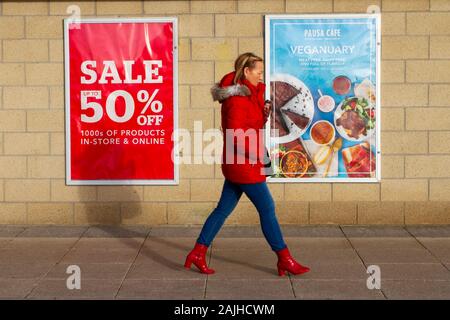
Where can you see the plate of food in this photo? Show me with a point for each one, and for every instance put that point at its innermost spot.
(355, 118)
(294, 164)
(293, 108)
(359, 161)
(293, 160)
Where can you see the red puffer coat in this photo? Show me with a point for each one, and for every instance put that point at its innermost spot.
(242, 108)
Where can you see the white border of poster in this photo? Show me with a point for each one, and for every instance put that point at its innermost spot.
(70, 181)
(267, 48)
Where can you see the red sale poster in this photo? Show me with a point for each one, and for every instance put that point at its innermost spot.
(121, 101)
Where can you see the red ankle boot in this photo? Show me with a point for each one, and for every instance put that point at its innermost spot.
(197, 257)
(287, 263)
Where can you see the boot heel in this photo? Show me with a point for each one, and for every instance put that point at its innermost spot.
(281, 272)
(188, 264)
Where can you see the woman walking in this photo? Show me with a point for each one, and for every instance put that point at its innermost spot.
(241, 94)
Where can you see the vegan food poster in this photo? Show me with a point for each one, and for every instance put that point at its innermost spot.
(322, 73)
(121, 106)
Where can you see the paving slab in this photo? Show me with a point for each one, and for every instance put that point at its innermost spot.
(52, 231)
(164, 271)
(117, 232)
(175, 231)
(334, 290)
(385, 243)
(259, 289)
(100, 256)
(7, 231)
(396, 255)
(414, 271)
(24, 270)
(238, 265)
(57, 289)
(375, 231)
(16, 288)
(186, 289)
(416, 289)
(312, 231)
(336, 271)
(91, 271)
(148, 263)
(429, 231)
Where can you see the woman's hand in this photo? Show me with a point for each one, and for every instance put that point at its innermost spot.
(267, 108)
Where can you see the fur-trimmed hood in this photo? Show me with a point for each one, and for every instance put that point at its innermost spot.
(226, 88)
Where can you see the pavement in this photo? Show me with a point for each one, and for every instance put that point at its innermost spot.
(147, 263)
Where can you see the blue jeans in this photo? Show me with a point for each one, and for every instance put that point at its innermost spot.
(259, 195)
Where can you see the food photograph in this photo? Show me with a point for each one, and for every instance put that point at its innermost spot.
(325, 116)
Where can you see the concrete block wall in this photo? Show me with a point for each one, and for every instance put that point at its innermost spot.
(415, 133)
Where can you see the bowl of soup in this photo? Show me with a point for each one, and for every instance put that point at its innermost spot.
(322, 132)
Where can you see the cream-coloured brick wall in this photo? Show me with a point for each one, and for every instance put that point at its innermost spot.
(415, 125)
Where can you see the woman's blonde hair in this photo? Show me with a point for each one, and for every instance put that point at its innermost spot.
(245, 60)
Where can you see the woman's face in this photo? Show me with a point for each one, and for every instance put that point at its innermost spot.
(255, 75)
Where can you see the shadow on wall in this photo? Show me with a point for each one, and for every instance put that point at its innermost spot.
(105, 221)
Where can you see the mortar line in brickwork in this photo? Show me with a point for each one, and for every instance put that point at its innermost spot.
(48, 51)
(26, 212)
(404, 213)
(404, 72)
(415, 82)
(419, 60)
(25, 74)
(190, 55)
(167, 212)
(190, 190)
(24, 28)
(406, 23)
(50, 143)
(404, 167)
(404, 118)
(403, 59)
(379, 191)
(332, 192)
